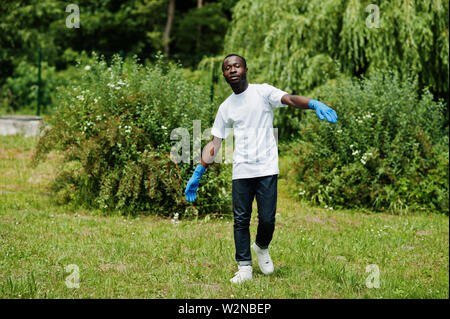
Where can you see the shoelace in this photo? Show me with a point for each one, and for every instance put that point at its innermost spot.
(266, 257)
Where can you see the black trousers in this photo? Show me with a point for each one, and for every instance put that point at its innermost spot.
(243, 192)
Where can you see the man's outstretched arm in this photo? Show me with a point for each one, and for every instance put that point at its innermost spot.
(296, 101)
(301, 102)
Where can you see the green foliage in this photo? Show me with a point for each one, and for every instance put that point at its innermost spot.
(19, 93)
(113, 129)
(293, 44)
(297, 45)
(106, 26)
(20, 90)
(200, 31)
(387, 151)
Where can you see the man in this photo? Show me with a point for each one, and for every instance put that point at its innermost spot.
(249, 110)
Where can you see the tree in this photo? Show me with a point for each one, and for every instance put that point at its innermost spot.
(199, 6)
(168, 28)
(201, 31)
(296, 43)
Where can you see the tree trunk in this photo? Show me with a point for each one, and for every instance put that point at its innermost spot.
(199, 5)
(167, 29)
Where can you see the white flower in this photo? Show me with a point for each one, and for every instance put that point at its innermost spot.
(87, 67)
(163, 127)
(80, 97)
(95, 101)
(365, 157)
(113, 86)
(355, 153)
(127, 128)
(351, 145)
(121, 83)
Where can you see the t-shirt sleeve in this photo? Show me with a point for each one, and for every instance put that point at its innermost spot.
(221, 127)
(273, 95)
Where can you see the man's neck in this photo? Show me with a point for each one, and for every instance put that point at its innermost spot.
(239, 88)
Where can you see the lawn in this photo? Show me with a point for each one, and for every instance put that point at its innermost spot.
(318, 253)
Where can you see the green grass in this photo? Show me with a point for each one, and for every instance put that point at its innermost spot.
(318, 253)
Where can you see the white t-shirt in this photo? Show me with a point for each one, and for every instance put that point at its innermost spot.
(250, 113)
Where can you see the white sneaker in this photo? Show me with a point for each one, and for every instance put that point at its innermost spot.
(244, 273)
(264, 261)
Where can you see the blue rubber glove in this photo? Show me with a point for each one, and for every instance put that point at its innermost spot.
(323, 111)
(192, 184)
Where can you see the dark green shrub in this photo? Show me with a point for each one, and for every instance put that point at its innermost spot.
(113, 128)
(388, 151)
(19, 93)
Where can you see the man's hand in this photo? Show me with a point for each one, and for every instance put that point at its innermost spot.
(192, 184)
(323, 111)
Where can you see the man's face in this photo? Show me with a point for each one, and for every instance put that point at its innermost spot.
(234, 70)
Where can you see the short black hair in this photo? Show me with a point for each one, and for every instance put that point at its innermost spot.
(234, 54)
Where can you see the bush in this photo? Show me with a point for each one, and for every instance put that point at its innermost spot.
(19, 93)
(113, 129)
(388, 151)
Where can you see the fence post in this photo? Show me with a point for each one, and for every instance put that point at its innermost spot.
(38, 106)
(213, 82)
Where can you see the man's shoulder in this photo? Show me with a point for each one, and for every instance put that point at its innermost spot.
(263, 86)
(260, 88)
(226, 102)
(263, 89)
(259, 85)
